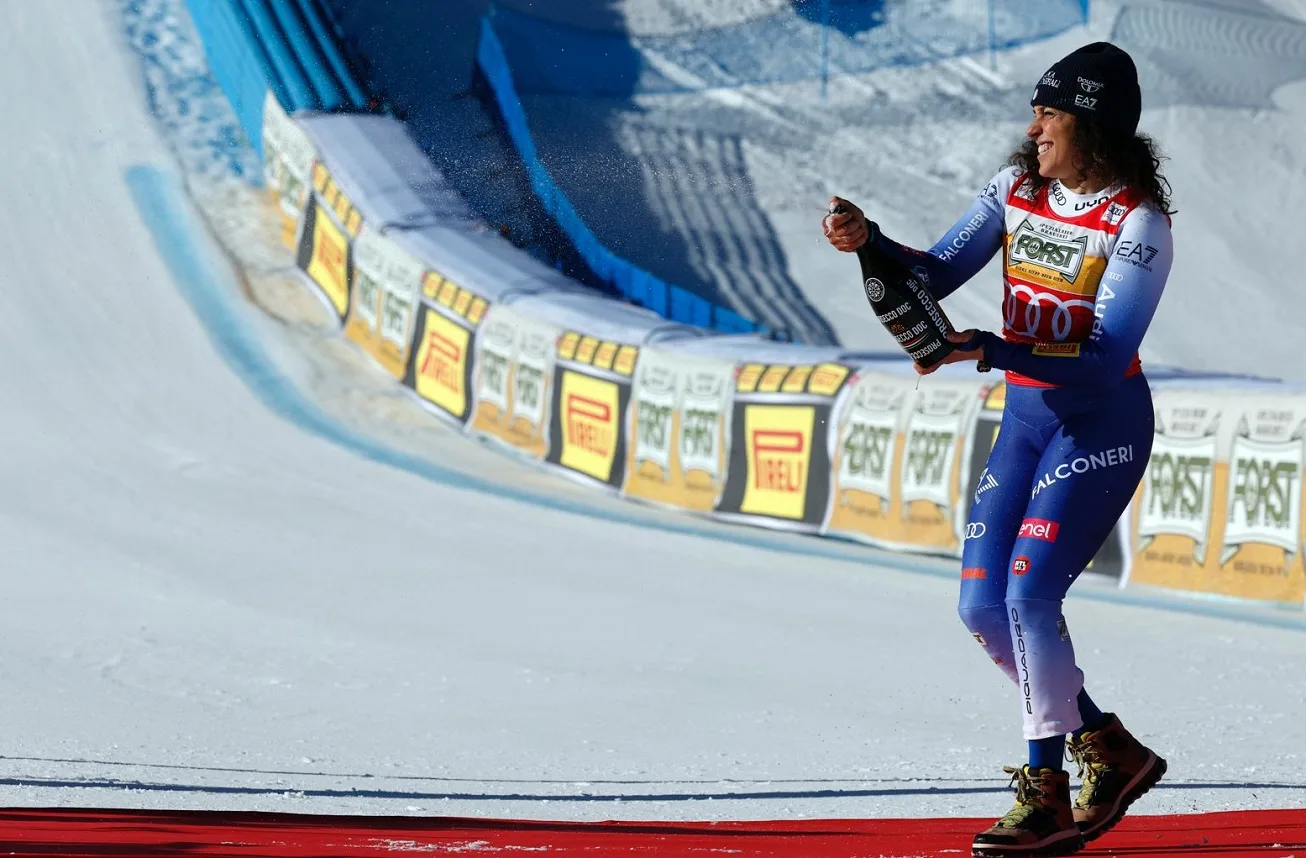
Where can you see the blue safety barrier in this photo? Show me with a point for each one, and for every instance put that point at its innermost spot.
(635, 284)
(280, 46)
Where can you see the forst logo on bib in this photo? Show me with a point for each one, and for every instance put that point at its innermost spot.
(1066, 257)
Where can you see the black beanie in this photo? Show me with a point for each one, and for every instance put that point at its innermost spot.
(1098, 81)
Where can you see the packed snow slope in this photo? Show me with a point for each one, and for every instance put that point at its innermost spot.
(219, 594)
(728, 186)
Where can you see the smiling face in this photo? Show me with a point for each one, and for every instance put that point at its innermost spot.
(1054, 132)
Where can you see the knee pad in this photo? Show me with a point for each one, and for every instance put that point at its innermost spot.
(989, 625)
(979, 619)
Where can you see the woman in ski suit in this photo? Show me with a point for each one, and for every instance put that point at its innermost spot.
(1082, 218)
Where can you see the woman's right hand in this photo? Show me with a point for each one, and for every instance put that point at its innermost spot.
(846, 231)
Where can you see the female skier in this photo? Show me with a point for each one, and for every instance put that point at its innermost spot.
(1082, 218)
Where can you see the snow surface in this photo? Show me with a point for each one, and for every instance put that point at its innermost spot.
(732, 183)
(216, 601)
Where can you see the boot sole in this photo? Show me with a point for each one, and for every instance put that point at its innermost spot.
(1137, 788)
(1068, 845)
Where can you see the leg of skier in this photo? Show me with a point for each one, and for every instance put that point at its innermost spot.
(1001, 496)
(1096, 453)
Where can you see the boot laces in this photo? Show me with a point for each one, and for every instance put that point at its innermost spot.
(1092, 765)
(1029, 797)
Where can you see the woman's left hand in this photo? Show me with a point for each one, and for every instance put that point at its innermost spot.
(956, 356)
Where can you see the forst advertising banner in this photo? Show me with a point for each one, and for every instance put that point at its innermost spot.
(514, 380)
(325, 242)
(779, 463)
(678, 430)
(288, 157)
(440, 366)
(1220, 508)
(901, 462)
(592, 383)
(386, 285)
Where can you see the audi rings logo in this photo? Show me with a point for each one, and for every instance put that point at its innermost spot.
(975, 530)
(1033, 303)
(874, 289)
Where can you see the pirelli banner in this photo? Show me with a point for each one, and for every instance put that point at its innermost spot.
(325, 244)
(902, 462)
(386, 283)
(679, 429)
(440, 364)
(514, 377)
(591, 392)
(779, 469)
(288, 157)
(1220, 508)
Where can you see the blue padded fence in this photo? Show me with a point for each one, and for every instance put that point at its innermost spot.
(282, 46)
(635, 284)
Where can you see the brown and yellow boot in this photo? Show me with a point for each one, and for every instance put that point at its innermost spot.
(1041, 823)
(1117, 769)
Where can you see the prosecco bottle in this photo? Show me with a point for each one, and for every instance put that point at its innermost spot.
(902, 302)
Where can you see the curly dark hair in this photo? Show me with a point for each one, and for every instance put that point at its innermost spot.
(1132, 161)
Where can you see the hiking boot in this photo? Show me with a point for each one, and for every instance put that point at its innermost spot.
(1116, 769)
(1041, 823)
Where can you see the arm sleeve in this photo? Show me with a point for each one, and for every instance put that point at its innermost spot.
(1127, 299)
(966, 248)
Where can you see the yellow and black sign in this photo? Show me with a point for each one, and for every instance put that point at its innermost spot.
(589, 427)
(325, 244)
(779, 463)
(779, 433)
(778, 442)
(591, 397)
(441, 368)
(324, 252)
